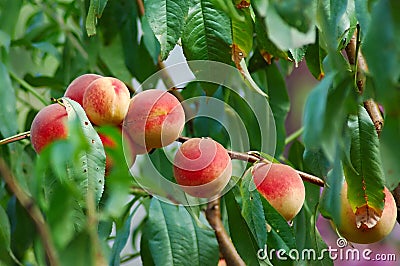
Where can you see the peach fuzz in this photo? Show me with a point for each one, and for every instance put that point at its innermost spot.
(202, 167)
(282, 186)
(49, 125)
(347, 226)
(106, 101)
(155, 119)
(78, 86)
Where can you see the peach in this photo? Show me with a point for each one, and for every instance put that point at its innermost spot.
(108, 143)
(363, 235)
(202, 167)
(106, 101)
(78, 86)
(155, 119)
(49, 125)
(282, 186)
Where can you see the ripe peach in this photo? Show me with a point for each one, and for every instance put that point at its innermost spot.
(347, 226)
(106, 101)
(202, 167)
(78, 86)
(155, 119)
(49, 124)
(108, 143)
(282, 186)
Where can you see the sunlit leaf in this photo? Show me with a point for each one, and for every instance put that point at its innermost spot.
(166, 18)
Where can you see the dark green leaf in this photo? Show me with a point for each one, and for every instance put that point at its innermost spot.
(382, 51)
(93, 160)
(9, 19)
(364, 176)
(5, 238)
(314, 57)
(207, 34)
(167, 19)
(121, 239)
(8, 113)
(78, 252)
(149, 39)
(95, 11)
(252, 209)
(389, 139)
(174, 238)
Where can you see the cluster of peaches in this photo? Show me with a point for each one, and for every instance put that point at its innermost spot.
(202, 167)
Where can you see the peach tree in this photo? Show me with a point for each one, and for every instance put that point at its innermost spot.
(155, 132)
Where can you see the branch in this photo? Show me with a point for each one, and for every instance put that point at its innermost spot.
(357, 60)
(226, 246)
(20, 136)
(33, 210)
(253, 159)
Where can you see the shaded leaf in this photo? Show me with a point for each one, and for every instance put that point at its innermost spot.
(314, 57)
(166, 18)
(8, 113)
(389, 139)
(384, 36)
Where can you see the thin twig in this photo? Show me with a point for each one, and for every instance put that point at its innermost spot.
(226, 247)
(357, 60)
(33, 210)
(254, 159)
(20, 136)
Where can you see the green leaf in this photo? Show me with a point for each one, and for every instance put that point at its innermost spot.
(78, 251)
(284, 36)
(364, 176)
(8, 113)
(363, 14)
(9, 19)
(93, 160)
(207, 33)
(382, 52)
(252, 209)
(242, 32)
(149, 39)
(95, 11)
(297, 14)
(271, 80)
(329, 101)
(174, 238)
(298, 54)
(167, 19)
(5, 238)
(267, 48)
(330, 204)
(121, 238)
(314, 58)
(281, 235)
(240, 232)
(389, 139)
